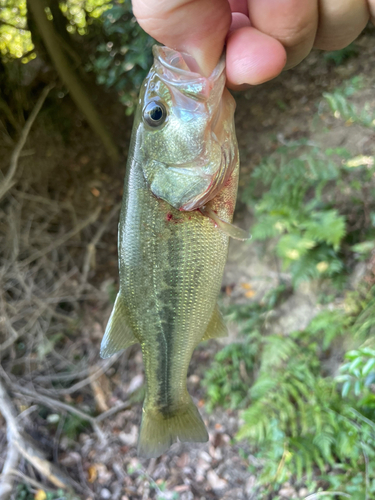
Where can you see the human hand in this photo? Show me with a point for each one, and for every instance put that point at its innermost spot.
(262, 36)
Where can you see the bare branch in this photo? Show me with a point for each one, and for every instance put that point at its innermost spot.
(19, 444)
(8, 180)
(94, 375)
(13, 455)
(55, 403)
(115, 409)
(68, 76)
(60, 241)
(90, 252)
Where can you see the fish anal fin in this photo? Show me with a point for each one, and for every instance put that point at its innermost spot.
(118, 335)
(216, 327)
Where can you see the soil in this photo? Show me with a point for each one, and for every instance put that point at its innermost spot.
(62, 299)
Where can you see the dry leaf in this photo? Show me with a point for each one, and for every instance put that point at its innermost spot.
(100, 387)
(246, 286)
(40, 495)
(93, 473)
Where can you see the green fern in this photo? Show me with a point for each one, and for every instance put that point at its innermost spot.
(342, 107)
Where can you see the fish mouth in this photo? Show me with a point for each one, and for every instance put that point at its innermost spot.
(180, 70)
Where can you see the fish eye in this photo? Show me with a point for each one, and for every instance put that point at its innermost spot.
(154, 113)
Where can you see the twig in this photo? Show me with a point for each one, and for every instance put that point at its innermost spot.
(63, 239)
(323, 493)
(19, 444)
(30, 480)
(123, 406)
(96, 374)
(55, 403)
(10, 341)
(8, 180)
(90, 252)
(13, 455)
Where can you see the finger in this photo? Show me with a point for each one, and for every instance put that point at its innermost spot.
(340, 22)
(239, 6)
(292, 22)
(198, 27)
(238, 21)
(253, 57)
(371, 6)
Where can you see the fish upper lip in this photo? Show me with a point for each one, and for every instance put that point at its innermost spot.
(159, 53)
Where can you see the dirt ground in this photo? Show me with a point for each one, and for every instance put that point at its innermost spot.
(58, 279)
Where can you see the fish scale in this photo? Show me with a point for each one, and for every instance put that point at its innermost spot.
(171, 264)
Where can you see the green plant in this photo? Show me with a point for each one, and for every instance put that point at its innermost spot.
(341, 106)
(124, 57)
(73, 426)
(24, 492)
(306, 424)
(317, 204)
(231, 373)
(358, 374)
(286, 192)
(161, 490)
(337, 57)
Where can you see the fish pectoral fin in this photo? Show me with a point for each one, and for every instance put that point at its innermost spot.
(118, 335)
(226, 227)
(216, 327)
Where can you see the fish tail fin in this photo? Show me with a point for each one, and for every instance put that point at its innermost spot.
(159, 431)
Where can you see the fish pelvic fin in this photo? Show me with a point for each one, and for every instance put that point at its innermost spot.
(159, 431)
(118, 335)
(216, 327)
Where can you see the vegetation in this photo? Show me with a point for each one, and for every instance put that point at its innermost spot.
(302, 195)
(124, 56)
(309, 397)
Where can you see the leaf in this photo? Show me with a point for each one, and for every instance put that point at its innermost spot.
(368, 366)
(40, 495)
(326, 226)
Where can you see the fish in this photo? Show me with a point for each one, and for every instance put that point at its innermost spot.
(176, 219)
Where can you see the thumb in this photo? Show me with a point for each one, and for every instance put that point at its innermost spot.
(197, 27)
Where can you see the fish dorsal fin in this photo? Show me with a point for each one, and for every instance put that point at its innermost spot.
(118, 334)
(216, 327)
(229, 229)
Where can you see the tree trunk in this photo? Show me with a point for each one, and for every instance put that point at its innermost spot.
(69, 77)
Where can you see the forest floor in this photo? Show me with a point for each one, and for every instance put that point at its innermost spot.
(58, 234)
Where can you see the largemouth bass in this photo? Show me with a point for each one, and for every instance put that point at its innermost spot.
(179, 197)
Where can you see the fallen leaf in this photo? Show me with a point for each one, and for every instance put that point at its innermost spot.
(181, 488)
(100, 387)
(40, 495)
(216, 482)
(93, 473)
(246, 286)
